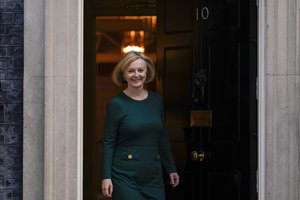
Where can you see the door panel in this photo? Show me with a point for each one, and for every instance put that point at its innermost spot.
(175, 19)
(210, 38)
(175, 63)
(223, 55)
(177, 90)
(228, 184)
(224, 90)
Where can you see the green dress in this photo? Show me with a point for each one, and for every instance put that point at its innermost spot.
(136, 148)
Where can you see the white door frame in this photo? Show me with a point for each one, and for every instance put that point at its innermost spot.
(63, 172)
(261, 100)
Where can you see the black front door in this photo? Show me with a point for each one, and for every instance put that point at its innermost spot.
(206, 78)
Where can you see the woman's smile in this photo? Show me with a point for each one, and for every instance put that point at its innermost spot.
(136, 73)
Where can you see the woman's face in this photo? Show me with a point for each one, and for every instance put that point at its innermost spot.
(136, 73)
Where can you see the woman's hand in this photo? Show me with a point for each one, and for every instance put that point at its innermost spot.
(174, 179)
(107, 187)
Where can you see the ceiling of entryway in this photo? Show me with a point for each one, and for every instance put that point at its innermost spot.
(114, 32)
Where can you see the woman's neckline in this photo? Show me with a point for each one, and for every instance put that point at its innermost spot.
(139, 100)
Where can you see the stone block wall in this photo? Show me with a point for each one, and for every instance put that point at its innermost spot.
(282, 95)
(11, 98)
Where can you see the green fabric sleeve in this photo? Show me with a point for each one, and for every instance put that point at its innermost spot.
(110, 138)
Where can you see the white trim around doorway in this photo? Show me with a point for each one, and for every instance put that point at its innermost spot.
(80, 100)
(53, 100)
(261, 100)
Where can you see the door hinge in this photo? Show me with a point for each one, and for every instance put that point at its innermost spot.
(197, 14)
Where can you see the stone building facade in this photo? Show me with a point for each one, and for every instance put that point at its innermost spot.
(41, 122)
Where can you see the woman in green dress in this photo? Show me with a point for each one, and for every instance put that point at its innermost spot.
(136, 147)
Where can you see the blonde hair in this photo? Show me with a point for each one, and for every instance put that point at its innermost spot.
(126, 60)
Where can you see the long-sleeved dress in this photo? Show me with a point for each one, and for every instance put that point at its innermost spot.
(136, 147)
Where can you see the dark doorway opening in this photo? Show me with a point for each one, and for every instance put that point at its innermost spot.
(216, 40)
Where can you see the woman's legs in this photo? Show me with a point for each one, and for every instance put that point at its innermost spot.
(124, 192)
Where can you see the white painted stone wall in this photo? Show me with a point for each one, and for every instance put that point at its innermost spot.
(53, 82)
(34, 103)
(282, 99)
(63, 99)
